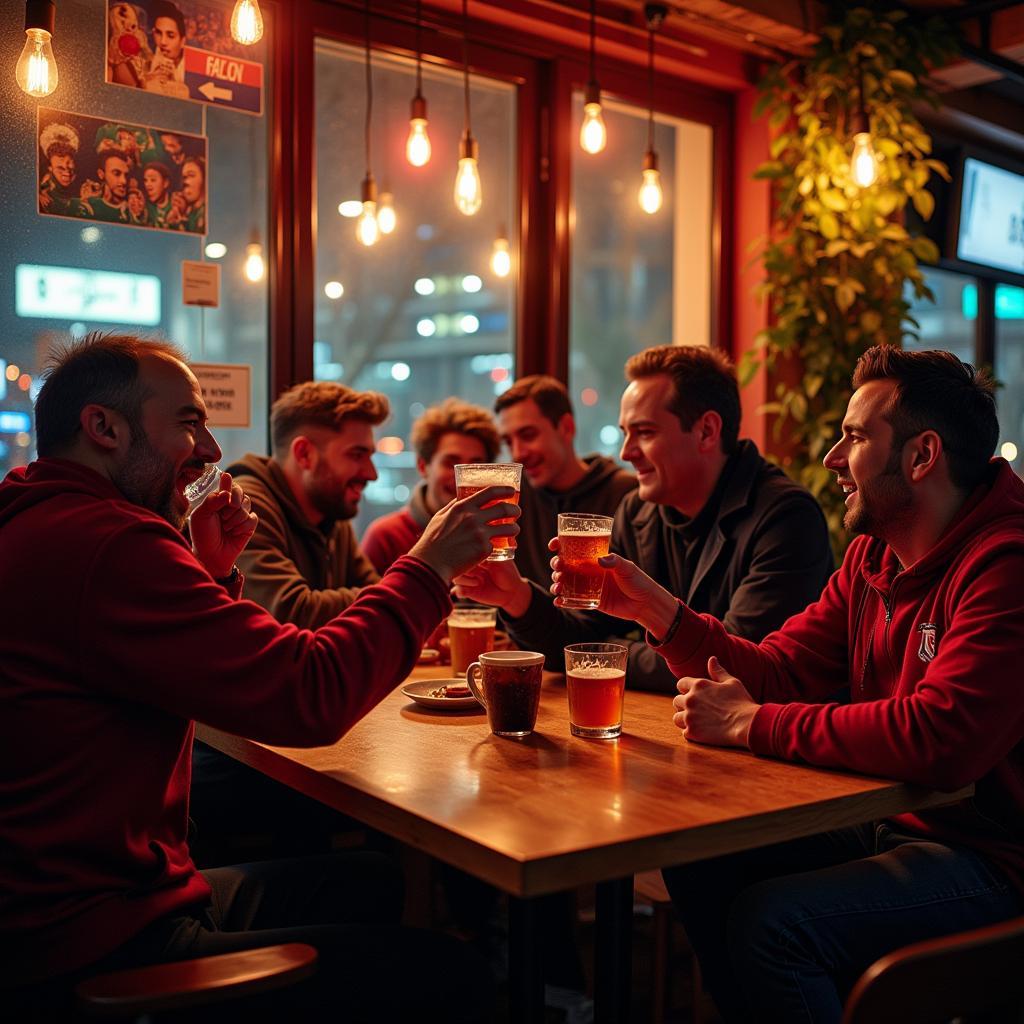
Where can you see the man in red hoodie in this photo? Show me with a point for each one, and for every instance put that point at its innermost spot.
(118, 634)
(921, 626)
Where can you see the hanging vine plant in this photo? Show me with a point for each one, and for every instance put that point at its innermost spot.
(840, 261)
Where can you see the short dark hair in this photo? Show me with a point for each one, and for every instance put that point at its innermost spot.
(165, 9)
(109, 154)
(321, 403)
(100, 369)
(453, 416)
(60, 149)
(550, 394)
(936, 391)
(703, 380)
(161, 168)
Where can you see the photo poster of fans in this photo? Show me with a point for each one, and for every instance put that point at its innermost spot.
(113, 172)
(183, 49)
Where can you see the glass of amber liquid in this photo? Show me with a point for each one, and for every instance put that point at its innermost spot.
(470, 633)
(582, 540)
(595, 679)
(472, 477)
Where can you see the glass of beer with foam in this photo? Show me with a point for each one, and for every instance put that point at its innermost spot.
(595, 679)
(582, 540)
(472, 477)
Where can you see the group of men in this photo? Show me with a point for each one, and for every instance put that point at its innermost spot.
(720, 581)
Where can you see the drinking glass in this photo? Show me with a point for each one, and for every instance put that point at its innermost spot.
(507, 683)
(473, 477)
(595, 679)
(582, 539)
(470, 633)
(201, 488)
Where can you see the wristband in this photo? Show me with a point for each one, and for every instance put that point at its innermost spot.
(230, 580)
(672, 629)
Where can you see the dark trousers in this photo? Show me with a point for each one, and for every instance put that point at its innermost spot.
(782, 933)
(347, 906)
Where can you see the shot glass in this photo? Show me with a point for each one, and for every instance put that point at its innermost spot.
(507, 683)
(470, 634)
(200, 489)
(582, 540)
(473, 477)
(595, 678)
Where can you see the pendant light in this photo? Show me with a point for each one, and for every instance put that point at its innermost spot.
(367, 228)
(36, 69)
(417, 146)
(501, 254)
(255, 267)
(650, 195)
(863, 161)
(593, 135)
(468, 196)
(246, 22)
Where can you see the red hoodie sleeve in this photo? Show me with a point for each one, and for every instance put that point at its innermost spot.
(155, 628)
(962, 717)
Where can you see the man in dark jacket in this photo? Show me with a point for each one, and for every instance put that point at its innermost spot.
(536, 422)
(711, 521)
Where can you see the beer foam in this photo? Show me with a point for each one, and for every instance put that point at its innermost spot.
(512, 657)
(596, 672)
(586, 534)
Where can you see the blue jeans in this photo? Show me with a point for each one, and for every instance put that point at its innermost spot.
(782, 933)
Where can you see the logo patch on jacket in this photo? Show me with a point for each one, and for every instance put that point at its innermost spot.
(929, 645)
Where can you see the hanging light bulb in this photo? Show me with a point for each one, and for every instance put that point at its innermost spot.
(36, 69)
(367, 226)
(864, 162)
(501, 254)
(468, 194)
(417, 145)
(246, 22)
(386, 219)
(593, 135)
(650, 195)
(255, 268)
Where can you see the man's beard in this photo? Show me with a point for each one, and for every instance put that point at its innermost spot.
(327, 495)
(881, 502)
(147, 479)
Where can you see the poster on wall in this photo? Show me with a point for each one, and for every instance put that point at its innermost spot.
(114, 172)
(183, 49)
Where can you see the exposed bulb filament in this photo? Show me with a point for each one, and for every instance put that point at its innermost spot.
(247, 22)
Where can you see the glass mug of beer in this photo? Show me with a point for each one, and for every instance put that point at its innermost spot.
(473, 477)
(507, 683)
(595, 679)
(582, 540)
(470, 633)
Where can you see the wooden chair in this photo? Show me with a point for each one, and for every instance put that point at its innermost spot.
(140, 991)
(978, 972)
(650, 887)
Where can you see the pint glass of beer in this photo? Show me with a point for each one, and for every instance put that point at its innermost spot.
(582, 540)
(473, 477)
(470, 633)
(595, 678)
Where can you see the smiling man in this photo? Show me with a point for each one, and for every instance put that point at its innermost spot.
(904, 668)
(710, 520)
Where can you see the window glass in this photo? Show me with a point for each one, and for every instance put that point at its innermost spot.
(1009, 370)
(33, 321)
(637, 279)
(420, 315)
(948, 322)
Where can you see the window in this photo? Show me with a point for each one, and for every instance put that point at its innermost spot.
(1009, 369)
(948, 322)
(235, 332)
(419, 315)
(637, 279)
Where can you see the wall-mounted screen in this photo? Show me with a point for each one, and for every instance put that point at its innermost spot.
(991, 217)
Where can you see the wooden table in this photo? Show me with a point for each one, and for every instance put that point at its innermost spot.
(553, 811)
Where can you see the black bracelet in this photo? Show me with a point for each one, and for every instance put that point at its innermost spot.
(230, 580)
(674, 627)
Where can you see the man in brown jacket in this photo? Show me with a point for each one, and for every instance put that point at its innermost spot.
(304, 566)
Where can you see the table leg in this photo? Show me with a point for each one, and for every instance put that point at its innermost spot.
(525, 978)
(613, 953)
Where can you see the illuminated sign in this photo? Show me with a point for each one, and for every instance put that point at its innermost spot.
(69, 293)
(12, 422)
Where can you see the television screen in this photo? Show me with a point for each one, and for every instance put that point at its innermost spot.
(991, 217)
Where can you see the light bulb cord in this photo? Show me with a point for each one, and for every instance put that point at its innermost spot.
(369, 91)
(465, 66)
(593, 39)
(650, 89)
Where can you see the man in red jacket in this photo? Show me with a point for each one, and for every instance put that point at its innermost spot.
(922, 626)
(118, 634)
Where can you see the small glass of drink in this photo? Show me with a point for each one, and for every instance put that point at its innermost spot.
(201, 488)
(470, 633)
(475, 476)
(507, 683)
(582, 540)
(595, 678)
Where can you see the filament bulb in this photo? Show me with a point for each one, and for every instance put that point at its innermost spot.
(255, 268)
(386, 219)
(36, 70)
(417, 146)
(593, 135)
(650, 195)
(468, 195)
(367, 227)
(863, 162)
(501, 257)
(247, 22)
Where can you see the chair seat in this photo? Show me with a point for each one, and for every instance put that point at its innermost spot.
(186, 983)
